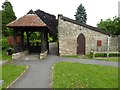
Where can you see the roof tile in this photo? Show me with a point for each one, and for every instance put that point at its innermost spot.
(30, 20)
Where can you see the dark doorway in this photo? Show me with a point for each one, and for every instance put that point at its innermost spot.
(81, 45)
(35, 42)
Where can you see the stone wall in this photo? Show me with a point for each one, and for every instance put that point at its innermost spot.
(68, 33)
(114, 43)
(19, 55)
(43, 55)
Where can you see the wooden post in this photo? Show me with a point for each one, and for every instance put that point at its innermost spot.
(22, 40)
(47, 42)
(27, 40)
(42, 42)
(15, 42)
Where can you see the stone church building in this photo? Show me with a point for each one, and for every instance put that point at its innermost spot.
(73, 38)
(80, 39)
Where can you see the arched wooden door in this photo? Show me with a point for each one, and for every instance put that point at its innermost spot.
(81, 45)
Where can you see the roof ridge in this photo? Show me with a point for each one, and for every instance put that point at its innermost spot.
(12, 24)
(39, 10)
(31, 12)
(85, 25)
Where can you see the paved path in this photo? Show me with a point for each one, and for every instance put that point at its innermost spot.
(39, 73)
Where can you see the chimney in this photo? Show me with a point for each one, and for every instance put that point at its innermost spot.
(60, 16)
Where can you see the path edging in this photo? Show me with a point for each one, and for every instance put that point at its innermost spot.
(52, 73)
(27, 67)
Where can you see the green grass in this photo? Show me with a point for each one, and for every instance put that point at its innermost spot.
(78, 56)
(72, 56)
(4, 56)
(76, 75)
(115, 59)
(10, 73)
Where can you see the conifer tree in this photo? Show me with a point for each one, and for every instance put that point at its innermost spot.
(81, 15)
(8, 15)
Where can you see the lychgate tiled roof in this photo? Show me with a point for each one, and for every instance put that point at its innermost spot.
(29, 20)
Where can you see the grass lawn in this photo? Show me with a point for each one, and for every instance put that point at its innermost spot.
(3, 56)
(79, 56)
(76, 75)
(115, 59)
(72, 56)
(10, 73)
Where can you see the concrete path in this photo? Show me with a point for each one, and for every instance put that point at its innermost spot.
(39, 73)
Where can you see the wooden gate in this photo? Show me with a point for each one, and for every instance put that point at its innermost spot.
(35, 47)
(81, 45)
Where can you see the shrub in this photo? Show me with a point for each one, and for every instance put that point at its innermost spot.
(4, 43)
(89, 55)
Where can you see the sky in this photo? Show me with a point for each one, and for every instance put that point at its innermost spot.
(95, 9)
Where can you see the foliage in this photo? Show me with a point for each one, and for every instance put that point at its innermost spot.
(81, 15)
(10, 73)
(4, 56)
(35, 36)
(8, 15)
(76, 75)
(52, 38)
(110, 25)
(0, 54)
(0, 21)
(105, 55)
(4, 42)
(3, 53)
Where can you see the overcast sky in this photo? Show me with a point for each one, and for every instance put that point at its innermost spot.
(96, 9)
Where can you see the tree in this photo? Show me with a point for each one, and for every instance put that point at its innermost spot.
(81, 15)
(0, 21)
(110, 25)
(8, 15)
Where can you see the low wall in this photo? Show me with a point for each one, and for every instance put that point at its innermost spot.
(43, 55)
(19, 54)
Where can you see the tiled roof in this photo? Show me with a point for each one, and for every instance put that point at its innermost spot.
(29, 20)
(85, 25)
(49, 19)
